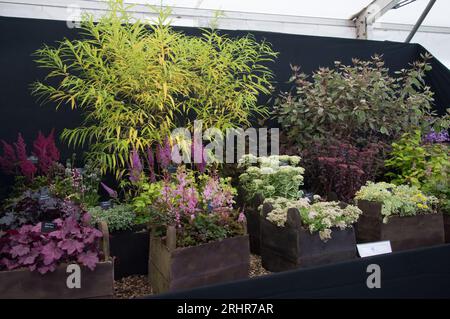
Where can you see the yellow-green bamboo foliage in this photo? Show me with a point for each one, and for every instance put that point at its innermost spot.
(135, 82)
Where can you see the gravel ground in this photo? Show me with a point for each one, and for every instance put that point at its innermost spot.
(138, 286)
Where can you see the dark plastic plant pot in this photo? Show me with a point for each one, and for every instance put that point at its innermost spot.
(173, 268)
(293, 246)
(130, 249)
(404, 232)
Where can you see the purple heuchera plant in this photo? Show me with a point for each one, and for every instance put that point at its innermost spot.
(434, 137)
(72, 241)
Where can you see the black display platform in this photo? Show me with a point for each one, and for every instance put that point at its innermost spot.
(422, 273)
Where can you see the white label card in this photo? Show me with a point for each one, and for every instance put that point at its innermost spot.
(375, 248)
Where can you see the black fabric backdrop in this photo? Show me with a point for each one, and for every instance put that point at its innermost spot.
(19, 38)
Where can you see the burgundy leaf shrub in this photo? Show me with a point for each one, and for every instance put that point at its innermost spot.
(340, 167)
(72, 241)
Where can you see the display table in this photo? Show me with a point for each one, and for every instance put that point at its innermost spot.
(421, 273)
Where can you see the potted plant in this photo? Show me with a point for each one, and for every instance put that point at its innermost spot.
(197, 237)
(422, 160)
(39, 238)
(401, 214)
(265, 177)
(342, 120)
(297, 233)
(129, 240)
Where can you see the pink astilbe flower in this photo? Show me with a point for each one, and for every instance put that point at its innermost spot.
(135, 168)
(219, 198)
(27, 168)
(242, 218)
(8, 161)
(44, 148)
(164, 154)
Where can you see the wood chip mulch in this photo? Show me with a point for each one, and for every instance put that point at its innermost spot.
(138, 286)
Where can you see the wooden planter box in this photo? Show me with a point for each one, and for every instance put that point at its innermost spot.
(447, 227)
(253, 217)
(293, 246)
(25, 284)
(130, 249)
(407, 232)
(172, 268)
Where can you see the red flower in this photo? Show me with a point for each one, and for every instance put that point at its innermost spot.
(9, 160)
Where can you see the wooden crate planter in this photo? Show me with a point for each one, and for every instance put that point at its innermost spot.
(293, 246)
(404, 233)
(26, 284)
(253, 217)
(130, 249)
(172, 268)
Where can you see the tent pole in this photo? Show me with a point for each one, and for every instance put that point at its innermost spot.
(419, 22)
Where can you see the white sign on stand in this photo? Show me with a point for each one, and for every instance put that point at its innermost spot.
(375, 248)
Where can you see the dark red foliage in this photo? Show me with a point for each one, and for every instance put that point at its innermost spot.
(340, 167)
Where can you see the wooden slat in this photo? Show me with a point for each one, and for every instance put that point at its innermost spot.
(19, 284)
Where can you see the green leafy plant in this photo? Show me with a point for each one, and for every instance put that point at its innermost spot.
(400, 200)
(423, 165)
(359, 103)
(135, 82)
(119, 217)
(317, 217)
(272, 176)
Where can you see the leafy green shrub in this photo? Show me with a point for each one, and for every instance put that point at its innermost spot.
(359, 103)
(318, 217)
(135, 82)
(119, 217)
(400, 200)
(426, 166)
(272, 176)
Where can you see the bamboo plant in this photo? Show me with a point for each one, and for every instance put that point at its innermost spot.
(135, 82)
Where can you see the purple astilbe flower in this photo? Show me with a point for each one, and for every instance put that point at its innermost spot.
(112, 193)
(151, 164)
(198, 156)
(434, 137)
(164, 154)
(135, 167)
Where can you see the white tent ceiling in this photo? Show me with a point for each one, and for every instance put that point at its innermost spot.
(311, 17)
